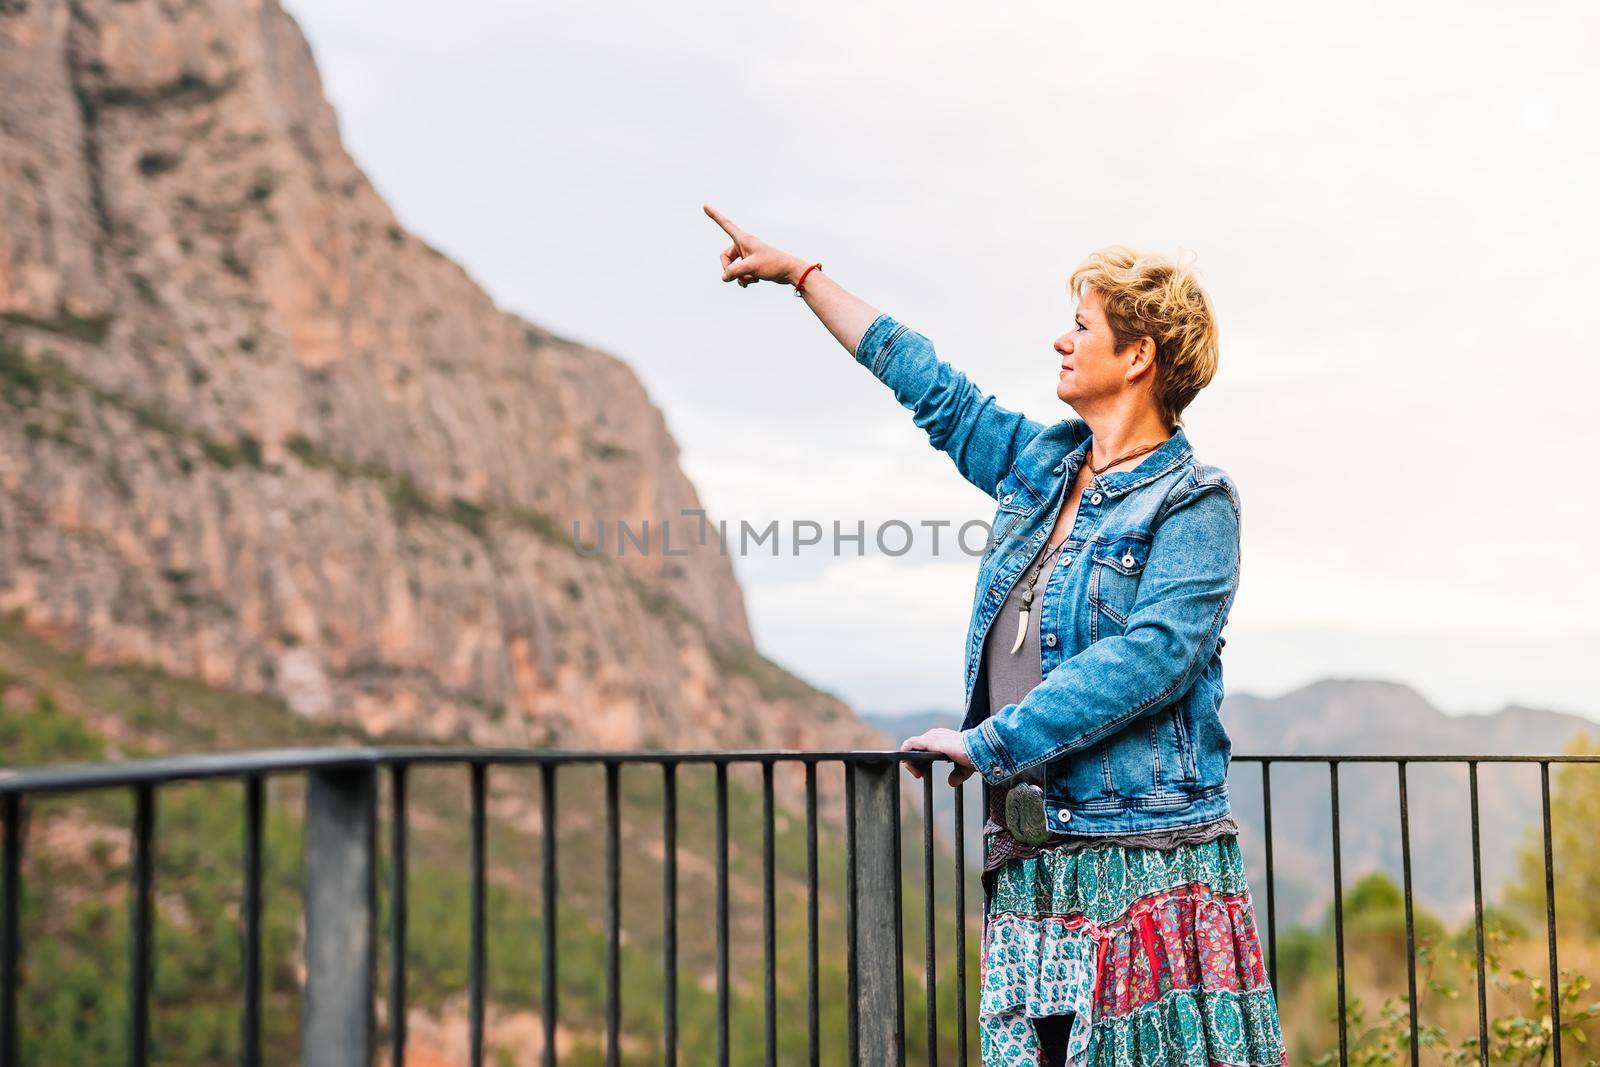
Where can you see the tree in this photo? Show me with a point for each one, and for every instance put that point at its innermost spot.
(1574, 813)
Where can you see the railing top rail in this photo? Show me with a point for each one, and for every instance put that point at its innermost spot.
(81, 776)
(1423, 757)
(77, 776)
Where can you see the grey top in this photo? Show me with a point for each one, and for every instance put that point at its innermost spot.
(1011, 677)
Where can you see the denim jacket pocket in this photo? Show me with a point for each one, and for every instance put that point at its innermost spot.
(1114, 581)
(1080, 777)
(1013, 493)
(1178, 758)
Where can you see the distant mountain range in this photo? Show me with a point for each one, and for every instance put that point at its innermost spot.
(1349, 716)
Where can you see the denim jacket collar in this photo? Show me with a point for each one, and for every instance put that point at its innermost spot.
(1173, 451)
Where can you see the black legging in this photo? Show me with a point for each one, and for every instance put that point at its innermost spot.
(1053, 1033)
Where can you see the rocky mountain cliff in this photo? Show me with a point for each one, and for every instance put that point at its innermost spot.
(254, 432)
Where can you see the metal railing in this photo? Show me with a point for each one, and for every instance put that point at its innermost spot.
(1401, 763)
(341, 872)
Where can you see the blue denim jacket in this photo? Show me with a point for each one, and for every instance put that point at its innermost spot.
(1126, 721)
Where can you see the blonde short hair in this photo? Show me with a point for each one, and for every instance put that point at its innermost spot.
(1147, 294)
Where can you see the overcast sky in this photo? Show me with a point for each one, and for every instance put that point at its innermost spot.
(1392, 206)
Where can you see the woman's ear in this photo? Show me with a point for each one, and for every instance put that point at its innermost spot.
(1144, 357)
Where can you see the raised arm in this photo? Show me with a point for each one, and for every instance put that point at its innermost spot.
(982, 437)
(960, 419)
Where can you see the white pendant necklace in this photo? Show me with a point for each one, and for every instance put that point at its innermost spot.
(1024, 612)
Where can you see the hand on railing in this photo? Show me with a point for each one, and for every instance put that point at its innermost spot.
(946, 743)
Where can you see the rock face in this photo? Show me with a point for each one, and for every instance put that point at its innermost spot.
(253, 431)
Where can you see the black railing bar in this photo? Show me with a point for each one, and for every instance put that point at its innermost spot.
(1338, 912)
(398, 866)
(983, 925)
(723, 1051)
(141, 919)
(72, 777)
(1477, 914)
(769, 915)
(813, 959)
(476, 922)
(81, 776)
(1550, 913)
(1272, 902)
(961, 924)
(250, 932)
(852, 964)
(1411, 936)
(897, 866)
(233, 764)
(10, 925)
(1430, 757)
(928, 927)
(669, 897)
(613, 915)
(547, 981)
(162, 769)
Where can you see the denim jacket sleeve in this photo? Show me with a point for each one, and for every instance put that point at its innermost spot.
(1182, 603)
(981, 436)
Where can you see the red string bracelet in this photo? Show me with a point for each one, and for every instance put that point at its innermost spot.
(799, 286)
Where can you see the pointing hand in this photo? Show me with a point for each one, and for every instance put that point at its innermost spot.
(750, 259)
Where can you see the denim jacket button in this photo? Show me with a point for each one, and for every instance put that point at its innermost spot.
(1096, 498)
(1128, 560)
(1050, 639)
(1064, 815)
(1007, 498)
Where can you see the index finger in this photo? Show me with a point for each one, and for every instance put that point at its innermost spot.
(727, 224)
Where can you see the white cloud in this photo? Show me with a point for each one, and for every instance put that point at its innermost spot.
(1391, 204)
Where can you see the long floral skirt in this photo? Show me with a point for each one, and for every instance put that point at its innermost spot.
(1154, 951)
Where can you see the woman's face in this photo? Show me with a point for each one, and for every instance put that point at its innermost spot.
(1091, 369)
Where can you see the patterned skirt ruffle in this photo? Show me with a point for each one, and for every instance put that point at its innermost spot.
(1154, 951)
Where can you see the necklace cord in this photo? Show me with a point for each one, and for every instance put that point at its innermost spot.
(1088, 459)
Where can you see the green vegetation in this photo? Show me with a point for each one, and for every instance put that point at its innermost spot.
(468, 515)
(540, 524)
(229, 454)
(1516, 964)
(1574, 812)
(17, 375)
(607, 452)
(75, 903)
(311, 455)
(661, 604)
(408, 500)
(90, 328)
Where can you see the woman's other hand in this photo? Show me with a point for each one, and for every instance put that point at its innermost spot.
(750, 259)
(946, 743)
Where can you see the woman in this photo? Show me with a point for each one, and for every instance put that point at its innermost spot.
(1118, 924)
